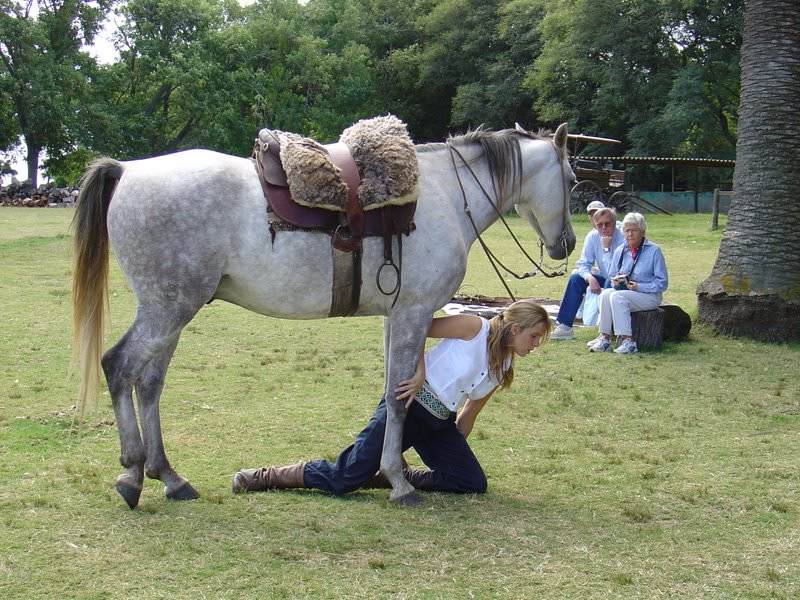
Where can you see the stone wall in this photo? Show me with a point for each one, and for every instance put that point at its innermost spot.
(22, 193)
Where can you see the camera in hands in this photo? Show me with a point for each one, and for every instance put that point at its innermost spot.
(620, 282)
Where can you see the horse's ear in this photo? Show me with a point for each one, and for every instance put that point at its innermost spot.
(560, 137)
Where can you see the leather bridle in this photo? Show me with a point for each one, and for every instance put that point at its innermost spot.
(496, 263)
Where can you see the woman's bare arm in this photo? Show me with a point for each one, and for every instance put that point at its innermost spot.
(466, 418)
(462, 327)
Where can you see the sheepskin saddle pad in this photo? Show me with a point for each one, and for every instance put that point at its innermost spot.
(381, 149)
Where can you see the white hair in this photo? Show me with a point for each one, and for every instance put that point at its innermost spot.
(636, 219)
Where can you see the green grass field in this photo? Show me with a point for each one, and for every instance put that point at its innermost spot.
(664, 474)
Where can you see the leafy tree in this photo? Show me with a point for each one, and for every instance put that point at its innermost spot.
(498, 97)
(67, 168)
(473, 60)
(379, 25)
(273, 26)
(291, 70)
(231, 114)
(605, 66)
(754, 287)
(165, 78)
(8, 128)
(700, 116)
(368, 36)
(407, 96)
(660, 75)
(211, 74)
(205, 73)
(43, 72)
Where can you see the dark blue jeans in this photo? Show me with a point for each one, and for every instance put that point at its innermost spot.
(573, 296)
(439, 444)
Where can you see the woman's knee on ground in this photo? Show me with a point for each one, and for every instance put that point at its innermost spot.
(479, 485)
(472, 483)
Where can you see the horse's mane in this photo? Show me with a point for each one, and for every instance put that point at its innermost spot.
(500, 148)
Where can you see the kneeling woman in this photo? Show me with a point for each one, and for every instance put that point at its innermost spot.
(474, 358)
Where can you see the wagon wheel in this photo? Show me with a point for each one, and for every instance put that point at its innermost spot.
(582, 193)
(620, 201)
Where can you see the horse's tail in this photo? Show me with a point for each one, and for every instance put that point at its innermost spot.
(90, 275)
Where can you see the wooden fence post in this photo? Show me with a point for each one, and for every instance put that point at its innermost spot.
(715, 210)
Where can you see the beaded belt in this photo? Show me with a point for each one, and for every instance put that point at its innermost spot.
(431, 403)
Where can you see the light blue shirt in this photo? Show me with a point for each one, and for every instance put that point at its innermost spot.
(592, 253)
(650, 272)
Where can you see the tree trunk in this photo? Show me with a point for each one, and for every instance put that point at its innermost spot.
(754, 287)
(648, 328)
(32, 159)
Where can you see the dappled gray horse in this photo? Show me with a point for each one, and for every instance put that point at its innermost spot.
(191, 227)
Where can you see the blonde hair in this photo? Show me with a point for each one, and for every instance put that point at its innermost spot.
(524, 314)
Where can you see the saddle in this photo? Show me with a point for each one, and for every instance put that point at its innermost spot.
(391, 218)
(347, 228)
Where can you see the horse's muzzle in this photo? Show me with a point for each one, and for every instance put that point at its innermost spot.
(564, 247)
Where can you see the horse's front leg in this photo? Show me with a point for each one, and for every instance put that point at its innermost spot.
(406, 332)
(148, 393)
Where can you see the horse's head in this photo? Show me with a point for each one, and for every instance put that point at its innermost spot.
(544, 192)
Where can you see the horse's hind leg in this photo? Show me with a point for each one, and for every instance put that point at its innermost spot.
(144, 351)
(148, 393)
(129, 483)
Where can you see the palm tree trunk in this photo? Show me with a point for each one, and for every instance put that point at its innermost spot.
(754, 287)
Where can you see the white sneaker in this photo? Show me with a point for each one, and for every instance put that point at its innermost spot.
(562, 332)
(594, 341)
(627, 347)
(601, 345)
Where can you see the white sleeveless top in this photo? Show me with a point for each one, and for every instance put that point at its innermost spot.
(458, 370)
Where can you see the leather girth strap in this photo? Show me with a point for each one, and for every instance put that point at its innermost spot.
(346, 244)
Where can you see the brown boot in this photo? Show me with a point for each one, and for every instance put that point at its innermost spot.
(422, 479)
(377, 482)
(268, 478)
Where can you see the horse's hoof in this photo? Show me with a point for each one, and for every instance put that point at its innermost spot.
(185, 492)
(130, 493)
(412, 498)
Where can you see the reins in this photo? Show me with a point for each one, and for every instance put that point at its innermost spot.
(496, 263)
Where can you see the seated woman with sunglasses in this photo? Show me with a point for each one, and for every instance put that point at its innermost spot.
(639, 283)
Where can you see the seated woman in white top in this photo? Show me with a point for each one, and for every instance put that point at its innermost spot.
(474, 358)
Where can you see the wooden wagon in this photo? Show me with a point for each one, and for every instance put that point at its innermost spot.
(596, 180)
